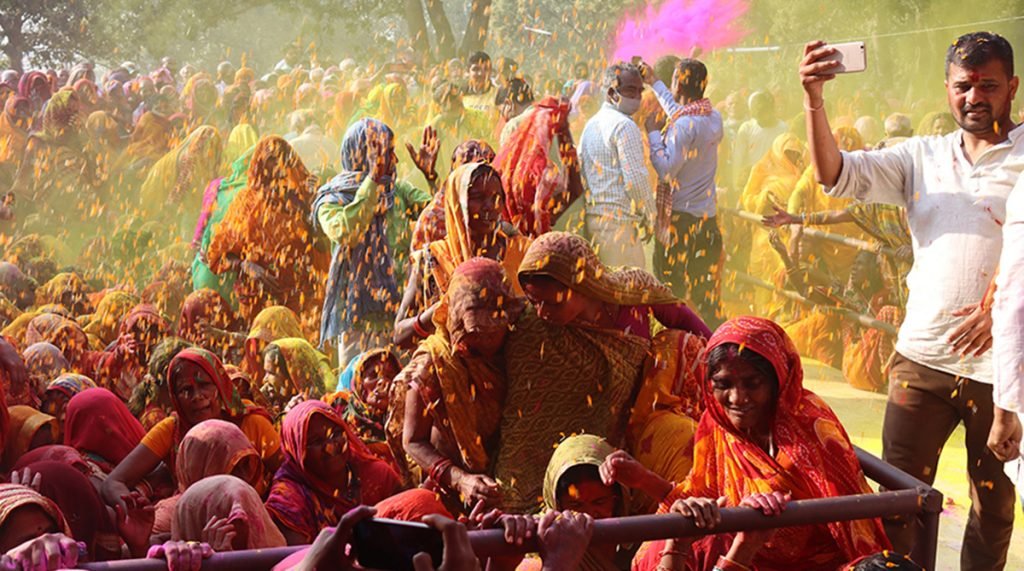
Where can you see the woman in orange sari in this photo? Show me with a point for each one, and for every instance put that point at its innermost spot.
(472, 212)
(266, 237)
(762, 433)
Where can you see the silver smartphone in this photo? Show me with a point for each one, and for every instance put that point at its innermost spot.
(851, 56)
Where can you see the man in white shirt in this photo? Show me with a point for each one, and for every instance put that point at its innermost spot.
(619, 197)
(318, 152)
(954, 188)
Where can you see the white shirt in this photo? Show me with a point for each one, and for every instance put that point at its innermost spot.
(612, 154)
(1008, 320)
(956, 212)
(1008, 309)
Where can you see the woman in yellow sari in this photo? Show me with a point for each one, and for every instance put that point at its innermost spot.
(771, 182)
(273, 323)
(150, 140)
(446, 404)
(664, 418)
(102, 326)
(293, 368)
(179, 179)
(14, 123)
(242, 138)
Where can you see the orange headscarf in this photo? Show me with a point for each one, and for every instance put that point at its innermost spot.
(814, 459)
(457, 247)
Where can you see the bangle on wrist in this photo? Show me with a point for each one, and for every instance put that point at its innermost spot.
(813, 109)
(418, 327)
(438, 470)
(724, 564)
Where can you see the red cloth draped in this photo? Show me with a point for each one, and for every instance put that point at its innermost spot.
(523, 162)
(814, 459)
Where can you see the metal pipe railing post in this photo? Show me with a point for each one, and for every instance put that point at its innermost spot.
(926, 543)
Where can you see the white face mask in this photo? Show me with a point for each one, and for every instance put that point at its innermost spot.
(628, 105)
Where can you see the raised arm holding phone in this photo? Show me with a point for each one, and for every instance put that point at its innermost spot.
(954, 188)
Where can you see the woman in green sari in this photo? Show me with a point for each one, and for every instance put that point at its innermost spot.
(215, 206)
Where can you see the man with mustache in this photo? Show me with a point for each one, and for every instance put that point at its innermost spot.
(954, 188)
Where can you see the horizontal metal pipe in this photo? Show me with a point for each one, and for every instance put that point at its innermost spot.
(819, 234)
(863, 320)
(889, 476)
(616, 530)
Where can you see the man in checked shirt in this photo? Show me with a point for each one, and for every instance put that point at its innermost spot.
(619, 197)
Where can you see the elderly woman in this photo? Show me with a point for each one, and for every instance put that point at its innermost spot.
(568, 285)
(763, 435)
(449, 399)
(327, 471)
(200, 390)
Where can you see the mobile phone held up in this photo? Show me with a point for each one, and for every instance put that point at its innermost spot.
(390, 544)
(851, 56)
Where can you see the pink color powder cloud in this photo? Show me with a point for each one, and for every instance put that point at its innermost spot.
(677, 26)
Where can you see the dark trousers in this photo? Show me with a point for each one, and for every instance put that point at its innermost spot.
(691, 264)
(924, 407)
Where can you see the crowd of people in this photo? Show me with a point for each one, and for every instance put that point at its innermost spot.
(237, 314)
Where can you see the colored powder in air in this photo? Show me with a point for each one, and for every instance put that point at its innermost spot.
(677, 26)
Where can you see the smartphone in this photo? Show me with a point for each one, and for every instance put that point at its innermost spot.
(636, 60)
(391, 544)
(851, 56)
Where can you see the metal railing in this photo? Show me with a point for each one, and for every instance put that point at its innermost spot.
(817, 234)
(905, 496)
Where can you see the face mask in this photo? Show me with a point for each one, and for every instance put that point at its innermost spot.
(628, 105)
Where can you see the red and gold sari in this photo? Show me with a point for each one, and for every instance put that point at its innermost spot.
(814, 459)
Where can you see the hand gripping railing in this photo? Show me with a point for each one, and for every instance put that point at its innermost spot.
(905, 496)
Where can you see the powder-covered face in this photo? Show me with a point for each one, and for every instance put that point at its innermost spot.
(980, 96)
(196, 393)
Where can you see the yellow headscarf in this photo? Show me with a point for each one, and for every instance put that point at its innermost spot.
(102, 325)
(242, 138)
(571, 261)
(309, 370)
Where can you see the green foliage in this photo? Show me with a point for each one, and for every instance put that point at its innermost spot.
(49, 31)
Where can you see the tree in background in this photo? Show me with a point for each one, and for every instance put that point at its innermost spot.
(52, 32)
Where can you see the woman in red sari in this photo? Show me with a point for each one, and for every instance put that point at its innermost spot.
(763, 433)
(327, 471)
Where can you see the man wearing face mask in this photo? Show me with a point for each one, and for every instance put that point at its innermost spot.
(619, 199)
